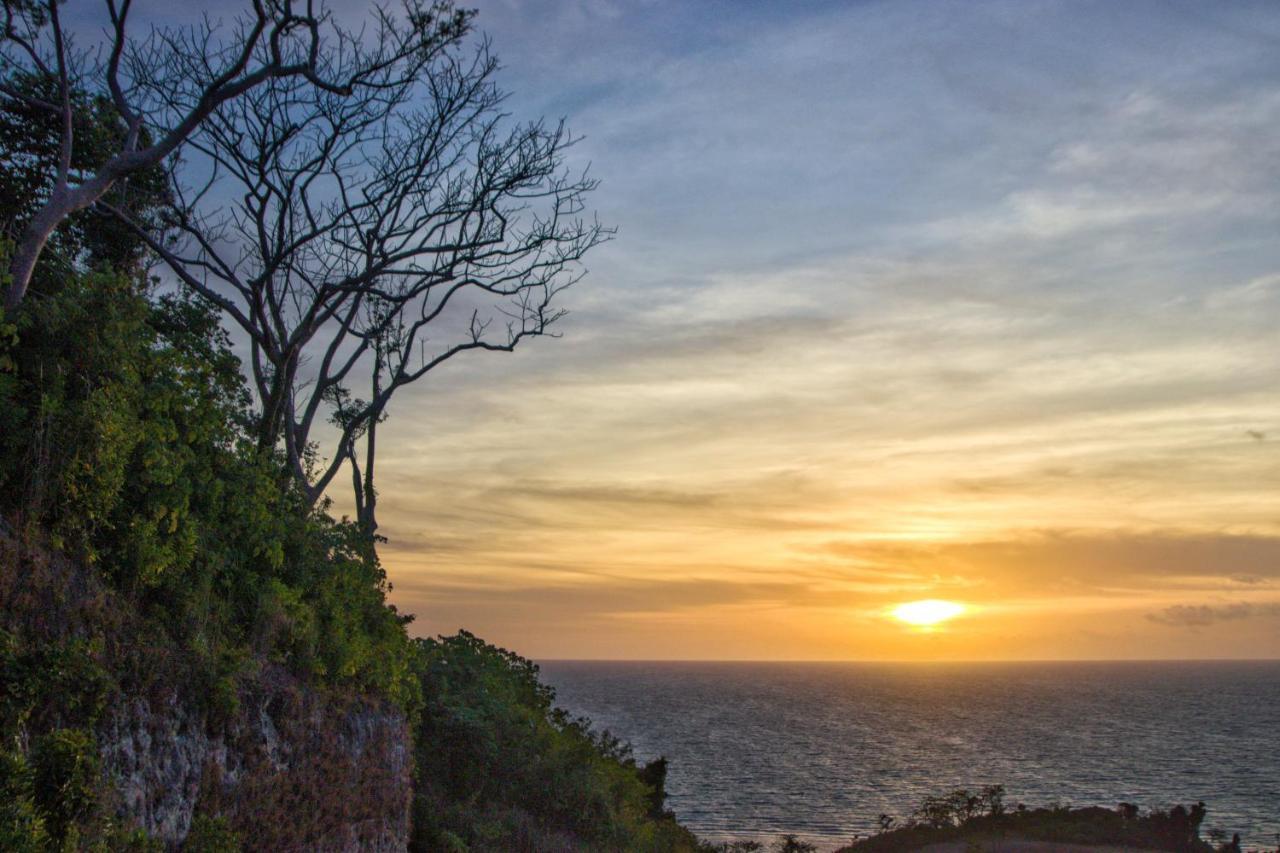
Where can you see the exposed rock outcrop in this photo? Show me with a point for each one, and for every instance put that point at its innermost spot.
(292, 769)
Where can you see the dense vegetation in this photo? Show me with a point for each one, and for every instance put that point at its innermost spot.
(122, 443)
(501, 768)
(978, 817)
(124, 446)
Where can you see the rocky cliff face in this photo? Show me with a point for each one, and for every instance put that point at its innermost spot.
(285, 764)
(291, 769)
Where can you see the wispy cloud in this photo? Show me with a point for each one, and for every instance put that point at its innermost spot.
(907, 299)
(1196, 616)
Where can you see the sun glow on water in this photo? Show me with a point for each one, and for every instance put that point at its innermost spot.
(929, 612)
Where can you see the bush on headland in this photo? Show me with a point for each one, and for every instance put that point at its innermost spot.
(980, 816)
(501, 768)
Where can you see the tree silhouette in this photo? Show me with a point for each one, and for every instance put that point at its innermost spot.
(362, 239)
(163, 86)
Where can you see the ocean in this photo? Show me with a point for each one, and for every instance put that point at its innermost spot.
(821, 749)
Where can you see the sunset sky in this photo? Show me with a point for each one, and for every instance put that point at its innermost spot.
(908, 300)
(976, 302)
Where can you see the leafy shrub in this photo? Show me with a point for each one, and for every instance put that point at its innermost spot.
(500, 767)
(211, 835)
(50, 685)
(959, 807)
(65, 778)
(52, 799)
(22, 825)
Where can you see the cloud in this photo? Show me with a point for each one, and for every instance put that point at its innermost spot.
(1195, 616)
(1122, 563)
(905, 300)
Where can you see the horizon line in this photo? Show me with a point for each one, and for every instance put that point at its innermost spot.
(908, 660)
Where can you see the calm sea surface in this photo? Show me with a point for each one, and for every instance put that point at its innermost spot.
(821, 749)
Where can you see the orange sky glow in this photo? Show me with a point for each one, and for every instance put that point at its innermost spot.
(882, 323)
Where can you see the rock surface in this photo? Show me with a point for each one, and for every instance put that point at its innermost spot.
(293, 768)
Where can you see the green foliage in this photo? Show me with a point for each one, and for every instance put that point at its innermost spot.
(211, 835)
(65, 778)
(124, 438)
(500, 767)
(48, 686)
(29, 149)
(49, 783)
(118, 433)
(69, 422)
(350, 636)
(52, 799)
(52, 795)
(22, 825)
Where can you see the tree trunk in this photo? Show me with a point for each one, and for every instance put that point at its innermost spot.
(369, 519)
(32, 243)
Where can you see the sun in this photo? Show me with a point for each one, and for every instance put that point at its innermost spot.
(928, 612)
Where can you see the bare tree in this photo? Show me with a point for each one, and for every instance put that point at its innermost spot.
(166, 84)
(362, 240)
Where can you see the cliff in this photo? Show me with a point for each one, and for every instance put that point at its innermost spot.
(263, 755)
(293, 768)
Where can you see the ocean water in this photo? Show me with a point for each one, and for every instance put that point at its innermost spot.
(759, 749)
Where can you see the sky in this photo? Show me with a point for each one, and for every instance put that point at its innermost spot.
(908, 300)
